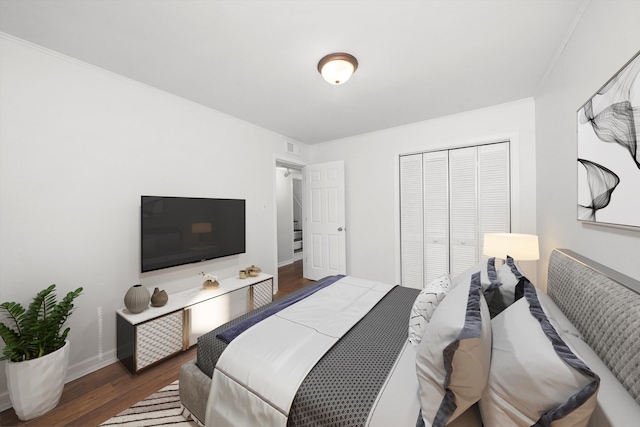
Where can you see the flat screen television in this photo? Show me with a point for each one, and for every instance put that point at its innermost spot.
(185, 230)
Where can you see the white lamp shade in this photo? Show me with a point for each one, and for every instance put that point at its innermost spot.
(521, 247)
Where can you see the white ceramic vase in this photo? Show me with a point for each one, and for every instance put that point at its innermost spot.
(35, 385)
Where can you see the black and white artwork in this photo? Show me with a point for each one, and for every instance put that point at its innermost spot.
(608, 151)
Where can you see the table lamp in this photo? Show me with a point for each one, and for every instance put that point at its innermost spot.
(520, 247)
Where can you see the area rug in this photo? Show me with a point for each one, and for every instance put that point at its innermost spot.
(162, 408)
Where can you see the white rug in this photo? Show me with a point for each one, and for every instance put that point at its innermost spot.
(162, 408)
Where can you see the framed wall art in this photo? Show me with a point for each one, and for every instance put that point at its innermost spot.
(608, 151)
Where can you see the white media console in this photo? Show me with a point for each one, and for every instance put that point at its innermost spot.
(160, 332)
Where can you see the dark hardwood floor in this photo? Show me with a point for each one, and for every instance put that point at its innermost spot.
(290, 279)
(98, 396)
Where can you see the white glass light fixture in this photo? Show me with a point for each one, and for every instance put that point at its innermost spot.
(337, 68)
(521, 247)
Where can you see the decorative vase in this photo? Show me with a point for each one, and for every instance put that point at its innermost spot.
(159, 298)
(253, 271)
(35, 385)
(210, 284)
(137, 299)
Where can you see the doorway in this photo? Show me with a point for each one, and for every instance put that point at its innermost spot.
(290, 226)
(320, 197)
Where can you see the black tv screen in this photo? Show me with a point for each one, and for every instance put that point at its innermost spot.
(184, 230)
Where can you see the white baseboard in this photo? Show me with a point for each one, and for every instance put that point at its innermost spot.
(90, 365)
(73, 373)
(297, 256)
(5, 403)
(283, 263)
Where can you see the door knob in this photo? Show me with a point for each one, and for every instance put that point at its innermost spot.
(339, 228)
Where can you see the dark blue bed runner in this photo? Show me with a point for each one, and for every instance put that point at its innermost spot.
(232, 332)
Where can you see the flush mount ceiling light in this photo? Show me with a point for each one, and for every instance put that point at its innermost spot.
(336, 68)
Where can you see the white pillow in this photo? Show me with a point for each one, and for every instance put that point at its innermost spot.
(452, 361)
(535, 378)
(425, 305)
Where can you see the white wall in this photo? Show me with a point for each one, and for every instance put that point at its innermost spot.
(371, 177)
(78, 146)
(604, 40)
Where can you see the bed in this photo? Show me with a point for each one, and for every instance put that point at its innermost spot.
(367, 377)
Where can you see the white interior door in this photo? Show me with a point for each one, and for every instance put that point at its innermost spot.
(463, 225)
(436, 214)
(494, 202)
(325, 243)
(411, 221)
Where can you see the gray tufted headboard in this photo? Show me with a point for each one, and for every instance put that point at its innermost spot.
(604, 306)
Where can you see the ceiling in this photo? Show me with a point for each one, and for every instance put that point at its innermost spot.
(256, 60)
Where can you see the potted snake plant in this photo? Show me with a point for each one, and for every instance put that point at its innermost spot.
(36, 350)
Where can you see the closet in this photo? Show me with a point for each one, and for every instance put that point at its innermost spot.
(448, 200)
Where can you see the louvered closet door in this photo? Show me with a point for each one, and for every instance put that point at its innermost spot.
(436, 214)
(463, 208)
(448, 200)
(494, 210)
(411, 216)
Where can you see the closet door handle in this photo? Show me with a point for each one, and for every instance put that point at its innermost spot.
(339, 228)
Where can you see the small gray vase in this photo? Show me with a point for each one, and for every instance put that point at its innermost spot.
(159, 298)
(137, 299)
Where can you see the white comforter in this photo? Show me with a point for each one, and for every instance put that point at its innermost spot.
(259, 373)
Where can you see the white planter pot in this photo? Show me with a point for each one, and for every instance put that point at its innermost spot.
(35, 386)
